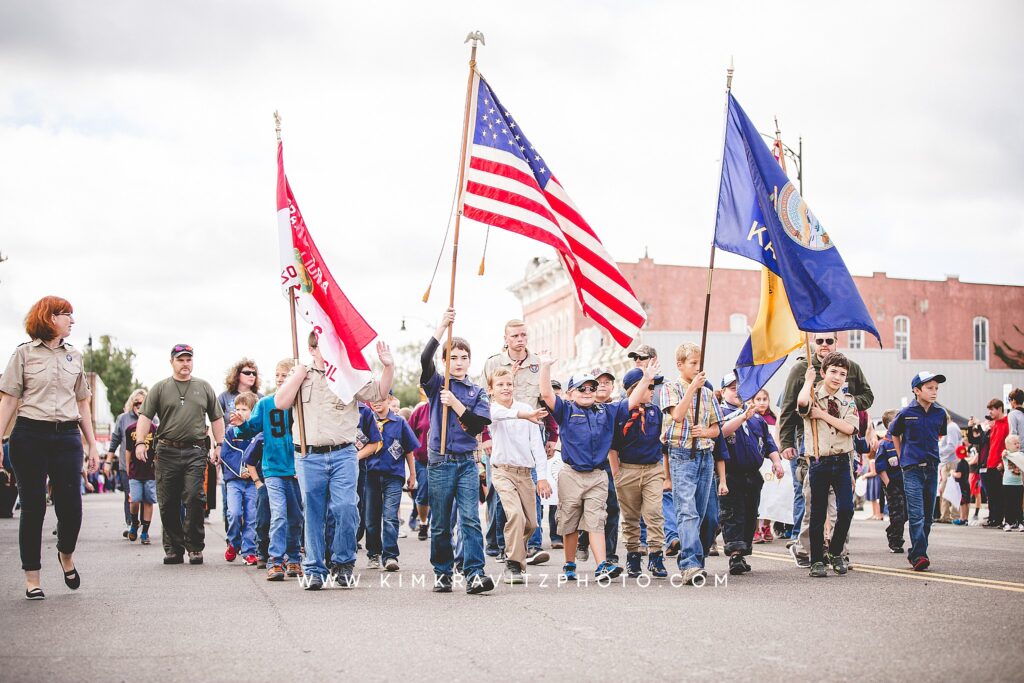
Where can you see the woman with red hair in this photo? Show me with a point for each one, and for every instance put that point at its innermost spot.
(44, 383)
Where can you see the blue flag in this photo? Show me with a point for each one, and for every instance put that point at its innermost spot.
(805, 285)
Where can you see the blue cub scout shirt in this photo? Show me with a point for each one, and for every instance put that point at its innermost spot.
(586, 433)
(749, 445)
(919, 432)
(399, 439)
(367, 431)
(888, 460)
(459, 441)
(638, 435)
(231, 454)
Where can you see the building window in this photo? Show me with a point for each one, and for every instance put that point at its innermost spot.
(981, 339)
(901, 326)
(738, 323)
(856, 339)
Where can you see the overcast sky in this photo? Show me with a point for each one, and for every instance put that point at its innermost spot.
(138, 151)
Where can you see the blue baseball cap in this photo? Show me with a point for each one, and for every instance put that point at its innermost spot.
(633, 376)
(729, 378)
(926, 376)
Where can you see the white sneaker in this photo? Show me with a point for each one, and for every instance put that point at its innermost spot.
(402, 533)
(1007, 527)
(391, 565)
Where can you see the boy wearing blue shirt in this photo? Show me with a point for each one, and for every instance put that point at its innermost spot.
(887, 466)
(385, 475)
(241, 491)
(252, 459)
(915, 433)
(636, 462)
(749, 441)
(453, 481)
(278, 465)
(586, 429)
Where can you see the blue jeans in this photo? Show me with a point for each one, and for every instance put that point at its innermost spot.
(827, 472)
(333, 474)
(552, 523)
(668, 508)
(919, 484)
(262, 522)
(241, 512)
(691, 492)
(422, 490)
(122, 478)
(381, 498)
(710, 526)
(454, 484)
(284, 498)
(360, 487)
(495, 516)
(798, 498)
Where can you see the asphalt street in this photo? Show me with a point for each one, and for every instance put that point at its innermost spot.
(136, 619)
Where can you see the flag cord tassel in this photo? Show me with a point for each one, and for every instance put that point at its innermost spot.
(444, 241)
(483, 257)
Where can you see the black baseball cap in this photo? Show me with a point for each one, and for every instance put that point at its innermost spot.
(180, 350)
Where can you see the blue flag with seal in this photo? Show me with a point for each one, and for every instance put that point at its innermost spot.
(805, 286)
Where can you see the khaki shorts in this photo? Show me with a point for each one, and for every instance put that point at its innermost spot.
(582, 501)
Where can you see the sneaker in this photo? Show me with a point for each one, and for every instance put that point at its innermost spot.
(582, 554)
(607, 569)
(897, 551)
(402, 533)
(557, 545)
(261, 563)
(569, 571)
(230, 553)
(975, 515)
(275, 572)
(144, 538)
(673, 548)
(492, 552)
(746, 567)
(656, 566)
(133, 532)
(501, 557)
(172, 558)
(758, 538)
(537, 556)
(960, 522)
(838, 563)
(713, 552)
(690, 576)
(293, 569)
(342, 575)
(800, 560)
(458, 569)
(195, 557)
(633, 565)
(736, 565)
(124, 534)
(423, 533)
(391, 565)
(373, 562)
(818, 571)
(920, 564)
(1021, 528)
(442, 583)
(250, 560)
(1011, 527)
(766, 533)
(480, 583)
(315, 583)
(514, 573)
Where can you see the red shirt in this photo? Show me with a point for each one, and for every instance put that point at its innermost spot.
(997, 441)
(420, 423)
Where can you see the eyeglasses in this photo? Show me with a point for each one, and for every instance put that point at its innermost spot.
(248, 373)
(70, 315)
(639, 357)
(828, 341)
(587, 389)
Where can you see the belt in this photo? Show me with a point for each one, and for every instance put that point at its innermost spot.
(181, 444)
(514, 468)
(906, 468)
(44, 425)
(322, 449)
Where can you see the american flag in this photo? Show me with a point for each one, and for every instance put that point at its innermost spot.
(510, 186)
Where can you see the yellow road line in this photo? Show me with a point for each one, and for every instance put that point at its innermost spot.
(911, 574)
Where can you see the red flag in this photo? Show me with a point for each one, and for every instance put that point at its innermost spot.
(342, 331)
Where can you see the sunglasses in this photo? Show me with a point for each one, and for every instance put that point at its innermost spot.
(248, 373)
(828, 341)
(639, 357)
(178, 348)
(587, 389)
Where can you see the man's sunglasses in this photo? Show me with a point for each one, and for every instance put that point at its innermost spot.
(248, 373)
(587, 389)
(179, 348)
(827, 341)
(639, 357)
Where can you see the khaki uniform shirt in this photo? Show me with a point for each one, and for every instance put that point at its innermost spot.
(526, 376)
(329, 421)
(49, 382)
(831, 441)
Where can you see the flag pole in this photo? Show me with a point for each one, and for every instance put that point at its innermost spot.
(711, 263)
(814, 401)
(474, 37)
(295, 334)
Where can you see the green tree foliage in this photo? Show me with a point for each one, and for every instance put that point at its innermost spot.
(1014, 358)
(114, 366)
(407, 373)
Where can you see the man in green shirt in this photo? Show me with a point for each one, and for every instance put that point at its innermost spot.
(182, 403)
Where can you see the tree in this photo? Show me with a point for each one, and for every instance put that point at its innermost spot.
(1014, 358)
(114, 367)
(407, 373)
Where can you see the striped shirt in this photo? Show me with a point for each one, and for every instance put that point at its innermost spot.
(677, 434)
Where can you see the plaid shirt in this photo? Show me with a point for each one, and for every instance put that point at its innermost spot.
(677, 434)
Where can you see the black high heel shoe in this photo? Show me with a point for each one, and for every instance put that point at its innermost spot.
(72, 579)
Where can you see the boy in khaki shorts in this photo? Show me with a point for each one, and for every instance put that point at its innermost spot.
(586, 428)
(639, 475)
